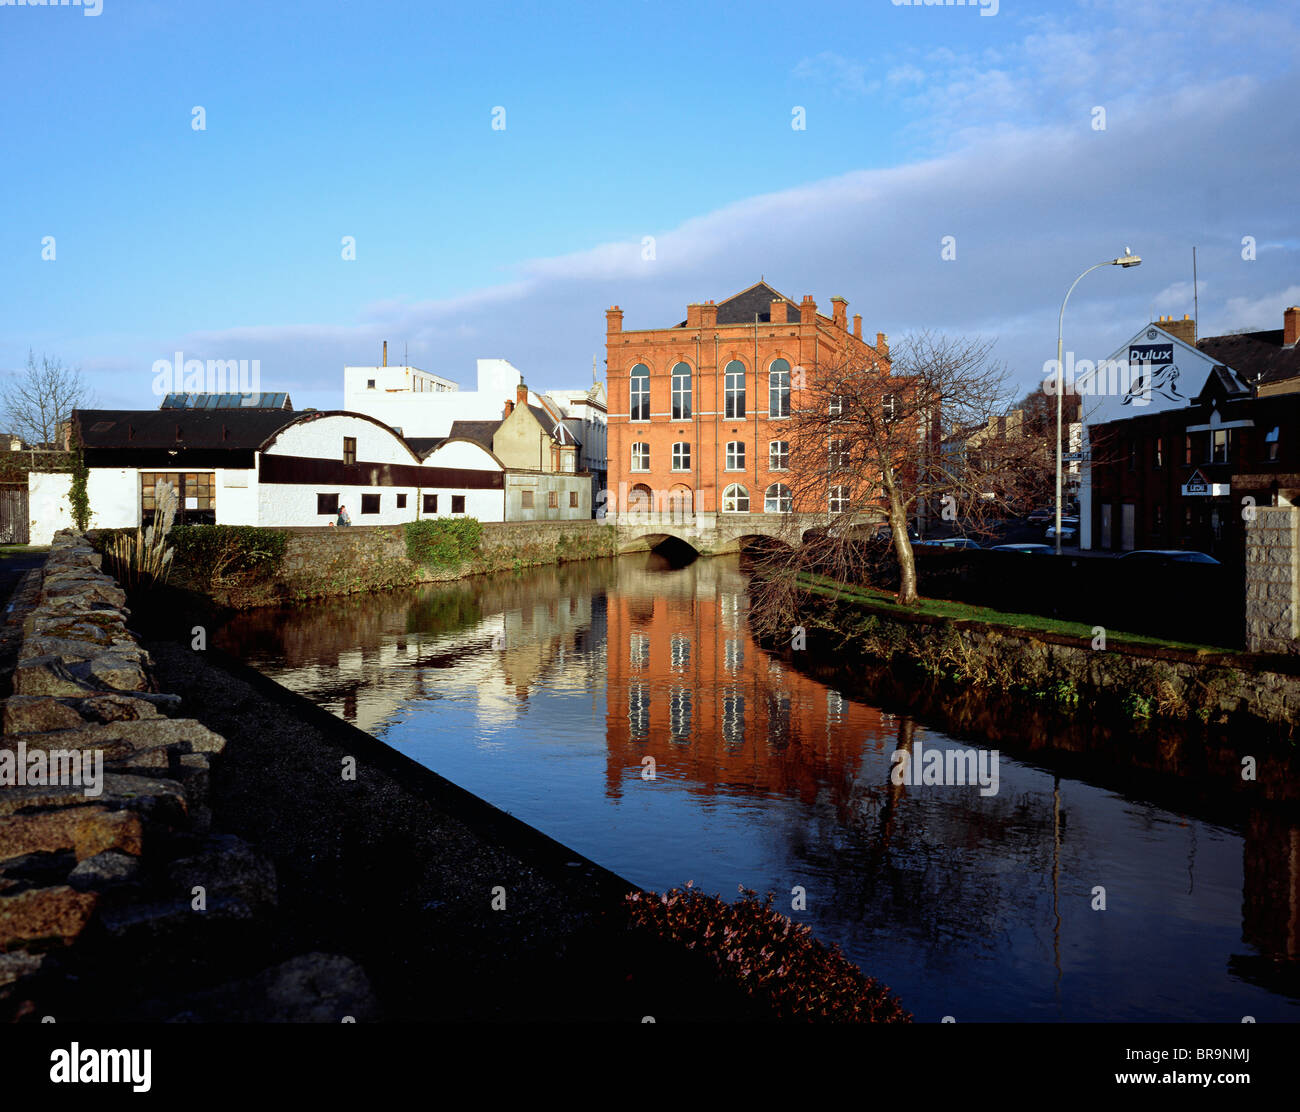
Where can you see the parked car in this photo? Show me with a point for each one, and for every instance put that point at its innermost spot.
(1028, 549)
(886, 533)
(1041, 517)
(1169, 556)
(1069, 529)
(950, 542)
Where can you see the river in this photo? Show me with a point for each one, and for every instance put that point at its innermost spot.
(546, 692)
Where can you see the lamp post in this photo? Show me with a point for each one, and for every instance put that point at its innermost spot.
(1125, 260)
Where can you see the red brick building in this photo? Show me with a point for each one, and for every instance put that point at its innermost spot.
(696, 409)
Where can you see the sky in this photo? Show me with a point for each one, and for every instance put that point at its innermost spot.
(507, 172)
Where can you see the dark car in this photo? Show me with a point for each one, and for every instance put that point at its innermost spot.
(1028, 549)
(1169, 556)
(950, 542)
(1041, 517)
(886, 533)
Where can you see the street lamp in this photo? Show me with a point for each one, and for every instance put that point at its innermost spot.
(1125, 260)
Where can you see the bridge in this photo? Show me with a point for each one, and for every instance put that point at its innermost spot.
(710, 534)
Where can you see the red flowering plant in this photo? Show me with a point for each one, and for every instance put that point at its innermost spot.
(776, 963)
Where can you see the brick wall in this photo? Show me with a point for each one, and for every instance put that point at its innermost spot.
(1272, 579)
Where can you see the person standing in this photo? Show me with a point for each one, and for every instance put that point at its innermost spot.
(343, 516)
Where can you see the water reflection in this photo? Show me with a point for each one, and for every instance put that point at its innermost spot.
(546, 693)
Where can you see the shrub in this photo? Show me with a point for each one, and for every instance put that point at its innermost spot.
(146, 558)
(210, 553)
(777, 963)
(443, 542)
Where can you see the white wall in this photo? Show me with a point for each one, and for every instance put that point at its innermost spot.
(295, 504)
(114, 495)
(322, 438)
(432, 414)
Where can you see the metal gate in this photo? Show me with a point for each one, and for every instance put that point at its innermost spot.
(14, 522)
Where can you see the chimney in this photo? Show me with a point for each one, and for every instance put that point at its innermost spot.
(385, 353)
(776, 312)
(708, 315)
(808, 310)
(1291, 326)
(693, 315)
(521, 394)
(613, 319)
(857, 325)
(1184, 329)
(882, 344)
(840, 313)
(510, 408)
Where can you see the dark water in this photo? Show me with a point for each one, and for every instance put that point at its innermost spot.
(546, 693)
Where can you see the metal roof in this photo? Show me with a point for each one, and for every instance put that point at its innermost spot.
(227, 401)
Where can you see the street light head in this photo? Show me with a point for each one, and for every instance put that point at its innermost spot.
(1129, 259)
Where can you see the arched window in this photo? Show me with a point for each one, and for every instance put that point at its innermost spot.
(641, 456)
(777, 499)
(639, 500)
(639, 395)
(682, 392)
(734, 390)
(778, 389)
(735, 500)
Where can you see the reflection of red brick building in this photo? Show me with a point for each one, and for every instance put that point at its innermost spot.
(688, 687)
(696, 409)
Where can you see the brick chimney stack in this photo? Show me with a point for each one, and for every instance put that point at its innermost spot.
(1291, 326)
(857, 325)
(613, 319)
(882, 344)
(840, 313)
(521, 394)
(1184, 329)
(777, 312)
(693, 315)
(510, 408)
(808, 310)
(708, 315)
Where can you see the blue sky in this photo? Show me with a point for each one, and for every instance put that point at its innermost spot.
(327, 120)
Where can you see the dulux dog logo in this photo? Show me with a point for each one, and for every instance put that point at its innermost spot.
(1157, 374)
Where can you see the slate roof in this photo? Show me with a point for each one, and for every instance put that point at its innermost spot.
(1258, 357)
(479, 431)
(740, 308)
(423, 445)
(227, 429)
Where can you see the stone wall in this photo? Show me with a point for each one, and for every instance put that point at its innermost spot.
(1273, 580)
(115, 891)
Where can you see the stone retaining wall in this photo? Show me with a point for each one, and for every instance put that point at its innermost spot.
(116, 895)
(1273, 580)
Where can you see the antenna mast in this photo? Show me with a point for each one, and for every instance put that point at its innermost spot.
(1196, 299)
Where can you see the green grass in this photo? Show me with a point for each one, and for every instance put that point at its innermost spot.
(884, 602)
(7, 550)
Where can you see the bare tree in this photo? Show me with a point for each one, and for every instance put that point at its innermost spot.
(38, 401)
(874, 447)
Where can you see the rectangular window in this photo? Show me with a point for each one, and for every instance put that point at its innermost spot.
(889, 406)
(553, 499)
(682, 393)
(681, 456)
(526, 499)
(1221, 445)
(1271, 440)
(839, 499)
(430, 503)
(327, 504)
(370, 384)
(835, 407)
(573, 499)
(734, 397)
(641, 457)
(370, 503)
(195, 496)
(778, 392)
(839, 454)
(778, 455)
(350, 449)
(458, 503)
(735, 455)
(401, 501)
(1160, 451)
(640, 393)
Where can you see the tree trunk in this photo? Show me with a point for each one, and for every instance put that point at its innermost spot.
(902, 542)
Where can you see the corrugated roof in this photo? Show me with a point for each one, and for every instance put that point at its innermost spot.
(227, 401)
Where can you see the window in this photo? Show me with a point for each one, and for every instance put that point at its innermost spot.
(1271, 439)
(679, 653)
(839, 454)
(640, 393)
(430, 503)
(640, 457)
(679, 714)
(835, 407)
(638, 712)
(526, 499)
(349, 449)
(733, 718)
(370, 384)
(735, 455)
(1187, 450)
(195, 496)
(735, 500)
(734, 387)
(778, 455)
(1220, 445)
(1132, 453)
(1160, 452)
(682, 392)
(733, 655)
(638, 645)
(839, 499)
(401, 501)
(777, 499)
(370, 503)
(327, 504)
(889, 406)
(553, 499)
(573, 499)
(681, 456)
(778, 389)
(458, 503)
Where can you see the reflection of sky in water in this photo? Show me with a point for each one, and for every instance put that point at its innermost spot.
(976, 907)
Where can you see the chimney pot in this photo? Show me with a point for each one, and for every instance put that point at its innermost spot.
(385, 353)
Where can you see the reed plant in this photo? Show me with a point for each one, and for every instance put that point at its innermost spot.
(145, 560)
